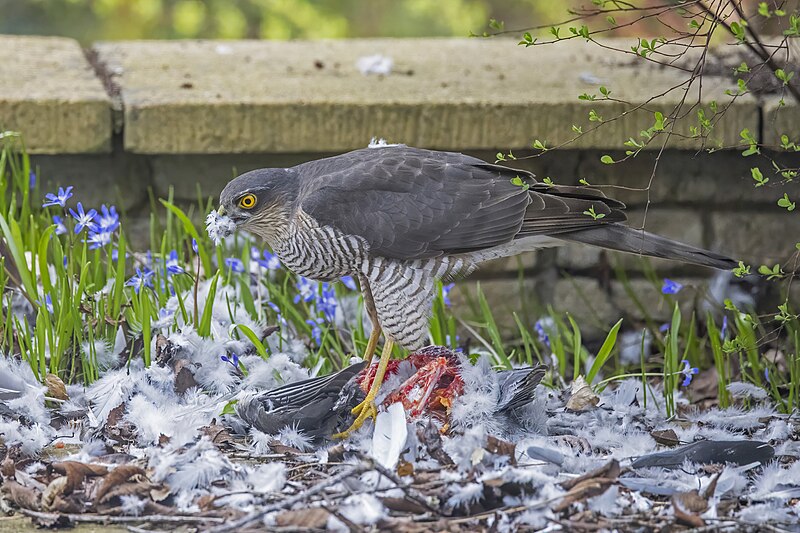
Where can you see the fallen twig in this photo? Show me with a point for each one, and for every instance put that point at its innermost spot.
(289, 502)
(102, 518)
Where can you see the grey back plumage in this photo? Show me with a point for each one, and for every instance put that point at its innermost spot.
(408, 203)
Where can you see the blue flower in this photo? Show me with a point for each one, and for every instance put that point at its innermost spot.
(316, 330)
(688, 371)
(60, 198)
(172, 264)
(544, 338)
(446, 293)
(671, 287)
(109, 219)
(98, 239)
(61, 229)
(194, 246)
(306, 290)
(48, 303)
(766, 374)
(143, 278)
(85, 219)
(233, 360)
(348, 282)
(270, 261)
(235, 264)
(327, 303)
(32, 180)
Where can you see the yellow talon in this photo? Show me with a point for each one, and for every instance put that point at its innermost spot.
(367, 408)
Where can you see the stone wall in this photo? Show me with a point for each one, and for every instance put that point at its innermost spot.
(123, 117)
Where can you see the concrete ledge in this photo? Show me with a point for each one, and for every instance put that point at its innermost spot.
(268, 96)
(49, 92)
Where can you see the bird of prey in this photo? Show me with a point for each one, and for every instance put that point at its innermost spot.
(398, 218)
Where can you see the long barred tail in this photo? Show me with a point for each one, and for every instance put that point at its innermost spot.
(625, 239)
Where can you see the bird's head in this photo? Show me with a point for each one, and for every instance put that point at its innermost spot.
(260, 200)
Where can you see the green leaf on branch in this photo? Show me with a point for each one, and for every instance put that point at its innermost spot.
(758, 177)
(785, 202)
(607, 159)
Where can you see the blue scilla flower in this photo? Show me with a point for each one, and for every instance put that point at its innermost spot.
(688, 371)
(61, 228)
(233, 360)
(270, 261)
(172, 264)
(85, 219)
(306, 290)
(671, 287)
(326, 303)
(348, 282)
(60, 198)
(446, 293)
(143, 278)
(316, 329)
(98, 239)
(108, 220)
(235, 264)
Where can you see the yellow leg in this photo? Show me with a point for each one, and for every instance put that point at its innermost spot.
(367, 408)
(372, 343)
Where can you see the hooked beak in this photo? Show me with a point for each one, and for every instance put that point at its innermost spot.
(221, 210)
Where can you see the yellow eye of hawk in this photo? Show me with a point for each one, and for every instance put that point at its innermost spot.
(248, 201)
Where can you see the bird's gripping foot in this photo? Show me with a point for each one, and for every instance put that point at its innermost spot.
(367, 408)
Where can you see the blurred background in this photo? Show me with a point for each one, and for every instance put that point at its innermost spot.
(93, 20)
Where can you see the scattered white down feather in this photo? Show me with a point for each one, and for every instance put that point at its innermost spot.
(109, 392)
(185, 469)
(734, 418)
(259, 444)
(268, 477)
(740, 389)
(219, 226)
(294, 437)
(363, 509)
(132, 505)
(606, 504)
(379, 143)
(462, 496)
(31, 439)
(278, 370)
(774, 479)
(375, 64)
(771, 513)
(478, 403)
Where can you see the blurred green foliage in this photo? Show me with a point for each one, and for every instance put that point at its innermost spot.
(92, 20)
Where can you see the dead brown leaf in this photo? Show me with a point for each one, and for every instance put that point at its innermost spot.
(404, 468)
(582, 397)
(76, 472)
(429, 436)
(610, 471)
(666, 437)
(314, 518)
(184, 377)
(8, 468)
(116, 477)
(55, 387)
(23, 497)
(217, 434)
(583, 490)
(501, 447)
(279, 447)
(685, 516)
(115, 415)
(404, 505)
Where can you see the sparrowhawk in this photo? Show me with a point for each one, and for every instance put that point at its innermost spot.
(399, 218)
